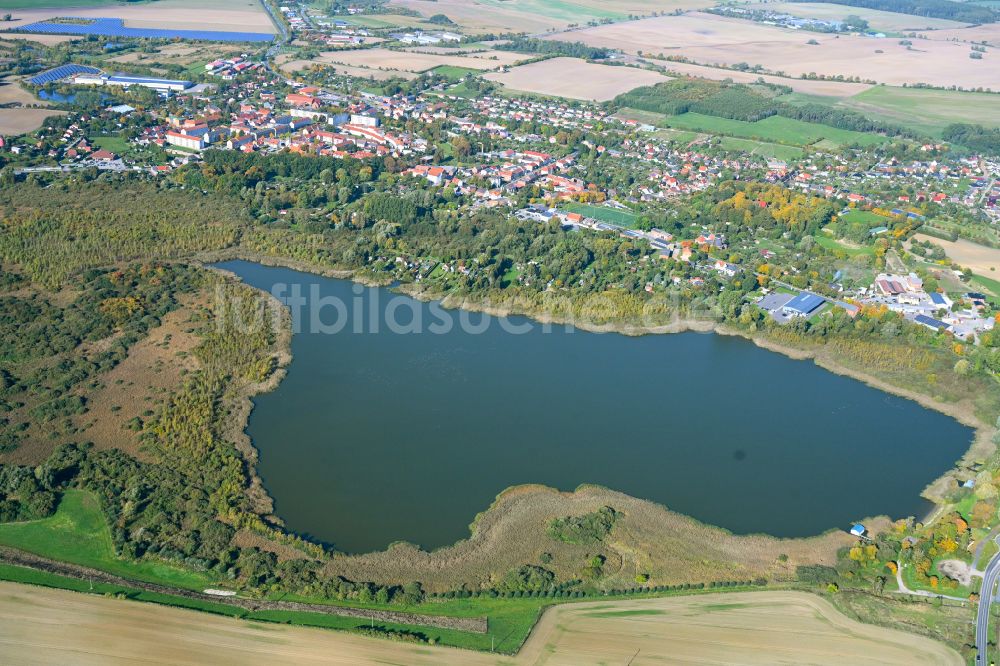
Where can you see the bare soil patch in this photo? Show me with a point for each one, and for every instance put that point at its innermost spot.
(46, 626)
(956, 570)
(575, 79)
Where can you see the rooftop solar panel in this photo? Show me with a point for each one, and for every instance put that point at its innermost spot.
(61, 72)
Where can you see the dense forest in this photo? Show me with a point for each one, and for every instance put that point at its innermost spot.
(966, 12)
(974, 137)
(742, 102)
(83, 223)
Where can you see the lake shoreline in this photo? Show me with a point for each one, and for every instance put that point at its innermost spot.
(981, 444)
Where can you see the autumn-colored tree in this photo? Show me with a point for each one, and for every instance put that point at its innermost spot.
(961, 525)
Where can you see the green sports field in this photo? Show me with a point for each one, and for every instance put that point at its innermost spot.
(775, 150)
(453, 73)
(603, 213)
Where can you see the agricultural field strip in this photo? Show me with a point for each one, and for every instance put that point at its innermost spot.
(575, 79)
(24, 559)
(709, 39)
(57, 626)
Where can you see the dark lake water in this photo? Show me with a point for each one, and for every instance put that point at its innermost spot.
(375, 437)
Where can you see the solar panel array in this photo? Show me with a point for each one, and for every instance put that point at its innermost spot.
(115, 27)
(61, 72)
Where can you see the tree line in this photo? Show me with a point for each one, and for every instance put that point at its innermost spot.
(741, 102)
(965, 12)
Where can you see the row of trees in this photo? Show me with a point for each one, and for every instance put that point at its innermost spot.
(941, 9)
(554, 47)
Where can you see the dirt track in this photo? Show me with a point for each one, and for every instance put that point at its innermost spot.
(43, 626)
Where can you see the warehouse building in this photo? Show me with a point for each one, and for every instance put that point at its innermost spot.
(127, 81)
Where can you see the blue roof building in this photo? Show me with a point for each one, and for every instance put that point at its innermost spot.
(939, 299)
(803, 305)
(931, 322)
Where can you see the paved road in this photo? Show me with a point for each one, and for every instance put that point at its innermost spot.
(990, 576)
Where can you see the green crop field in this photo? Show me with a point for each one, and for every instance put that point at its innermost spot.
(989, 284)
(920, 109)
(603, 213)
(78, 533)
(775, 129)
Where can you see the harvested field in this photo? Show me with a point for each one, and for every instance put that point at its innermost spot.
(44, 40)
(20, 121)
(183, 53)
(288, 66)
(877, 20)
(11, 92)
(493, 57)
(648, 538)
(403, 61)
(229, 15)
(531, 16)
(981, 259)
(46, 626)
(575, 79)
(709, 39)
(824, 88)
(989, 34)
